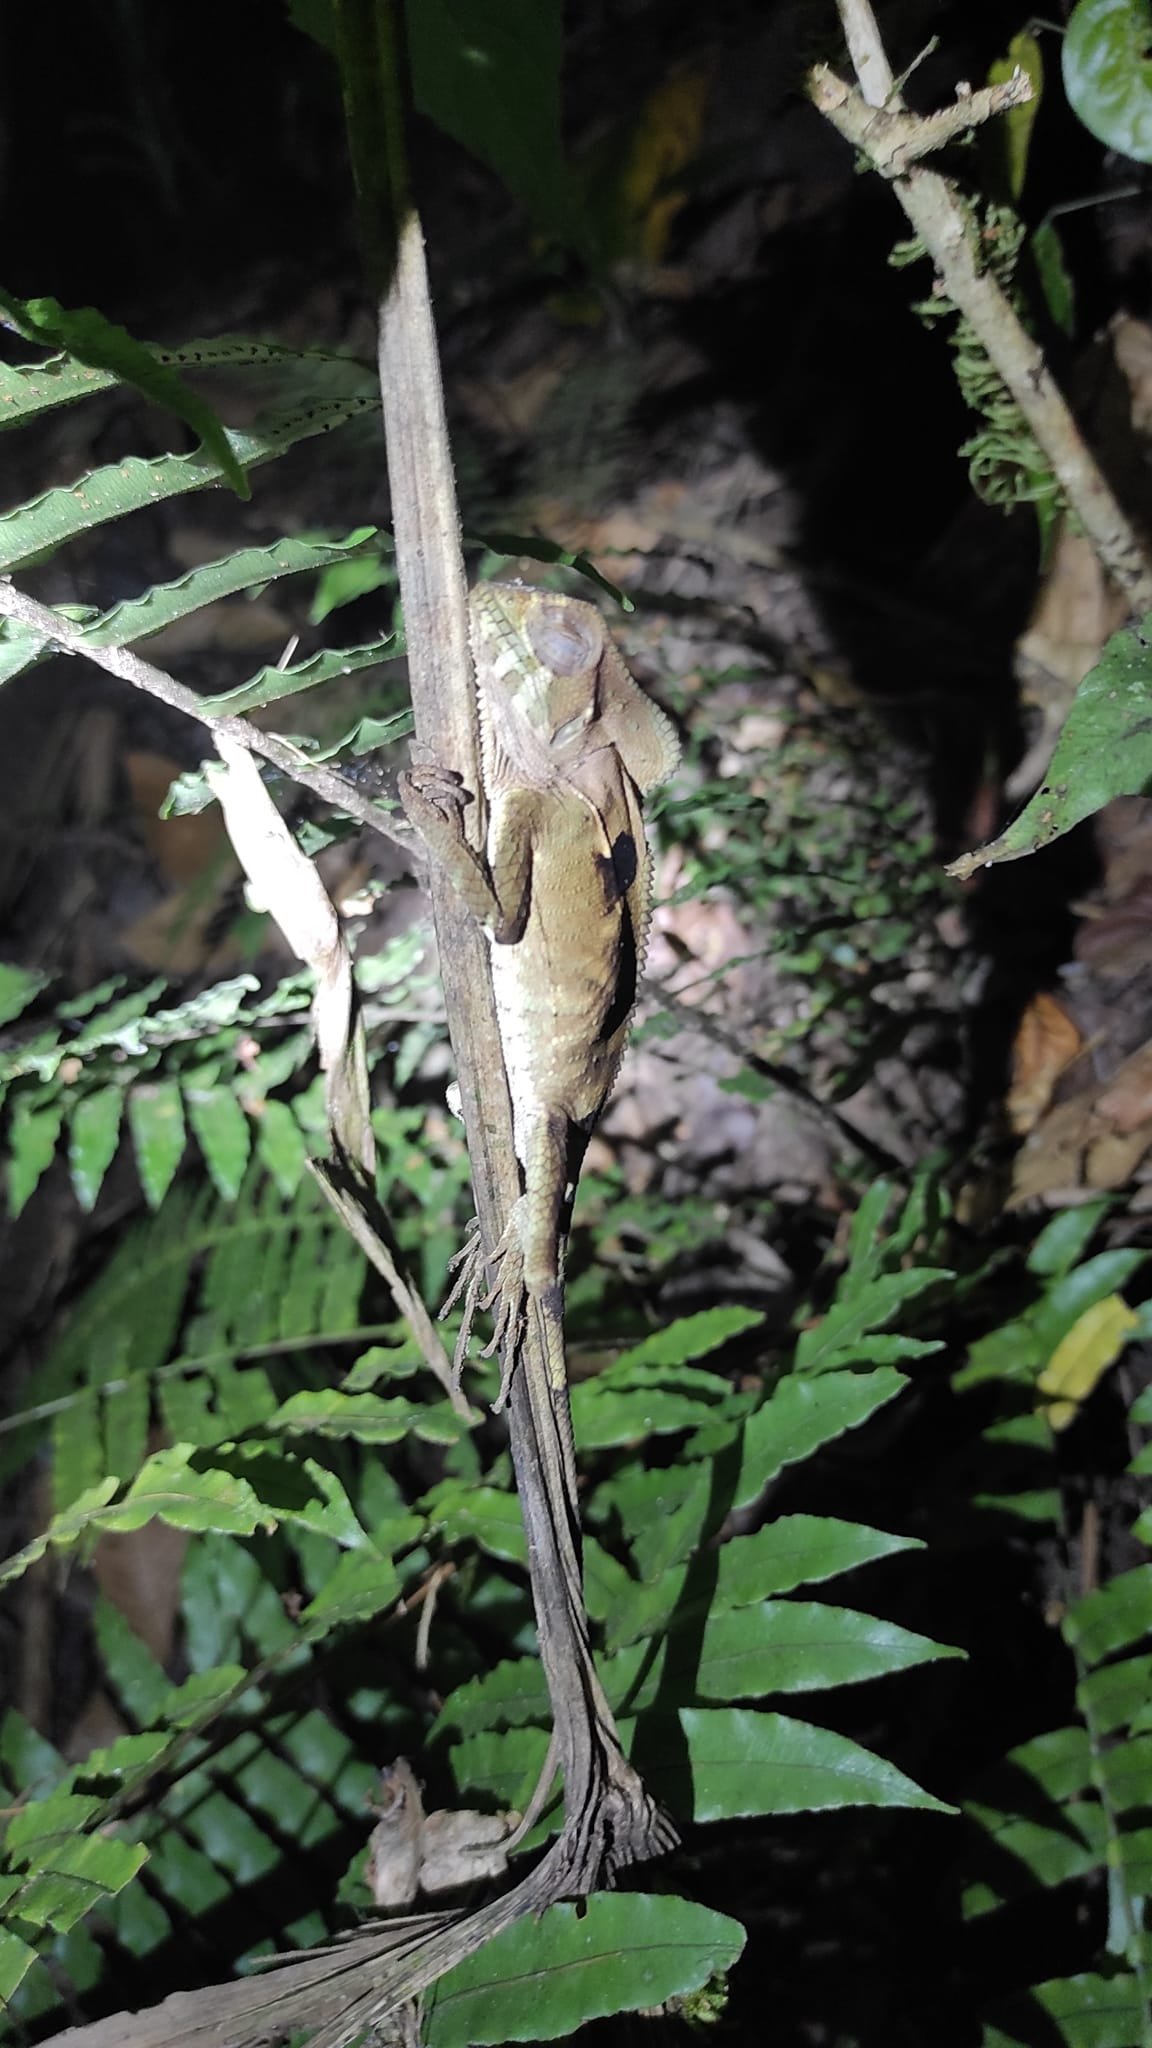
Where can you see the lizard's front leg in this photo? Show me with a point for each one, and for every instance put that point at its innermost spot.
(435, 802)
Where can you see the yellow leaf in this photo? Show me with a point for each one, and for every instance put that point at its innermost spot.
(1010, 135)
(664, 141)
(1081, 1359)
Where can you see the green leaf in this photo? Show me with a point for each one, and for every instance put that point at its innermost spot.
(96, 341)
(223, 1134)
(481, 1515)
(802, 1415)
(1118, 1615)
(800, 1646)
(490, 78)
(615, 1952)
(367, 1418)
(539, 549)
(1066, 1238)
(509, 1696)
(361, 1586)
(1104, 750)
(201, 1696)
(1087, 2011)
(68, 1869)
(842, 1337)
(744, 1762)
(44, 1820)
(606, 1411)
(1008, 138)
(280, 1146)
(32, 1139)
(93, 1136)
(269, 685)
(690, 1337)
(343, 582)
(166, 603)
(19, 986)
(665, 1511)
(1067, 1299)
(16, 1959)
(156, 1121)
(1113, 1696)
(45, 523)
(125, 1758)
(1107, 61)
(795, 1550)
(168, 1487)
(27, 389)
(506, 1766)
(1053, 275)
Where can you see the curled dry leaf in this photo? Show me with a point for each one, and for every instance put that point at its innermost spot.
(1046, 1043)
(411, 1851)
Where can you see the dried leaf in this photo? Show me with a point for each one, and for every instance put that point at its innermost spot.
(1047, 1041)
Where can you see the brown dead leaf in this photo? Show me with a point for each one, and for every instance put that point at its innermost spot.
(1132, 346)
(1091, 1144)
(1126, 1100)
(1047, 1041)
(1076, 612)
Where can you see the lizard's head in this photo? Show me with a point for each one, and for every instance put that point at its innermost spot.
(538, 664)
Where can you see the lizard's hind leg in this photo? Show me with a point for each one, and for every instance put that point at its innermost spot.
(505, 1294)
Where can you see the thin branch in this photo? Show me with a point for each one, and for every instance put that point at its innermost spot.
(131, 668)
(869, 57)
(892, 139)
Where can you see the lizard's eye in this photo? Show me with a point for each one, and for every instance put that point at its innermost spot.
(564, 642)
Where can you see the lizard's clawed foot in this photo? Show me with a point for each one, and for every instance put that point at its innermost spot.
(433, 798)
(505, 1296)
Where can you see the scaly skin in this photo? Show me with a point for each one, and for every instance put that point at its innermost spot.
(569, 745)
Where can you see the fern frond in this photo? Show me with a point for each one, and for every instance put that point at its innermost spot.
(247, 1285)
(59, 515)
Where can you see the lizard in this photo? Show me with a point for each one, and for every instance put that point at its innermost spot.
(569, 745)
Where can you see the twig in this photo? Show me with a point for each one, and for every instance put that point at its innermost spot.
(131, 668)
(892, 139)
(869, 57)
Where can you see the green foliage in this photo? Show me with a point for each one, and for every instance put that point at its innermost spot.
(838, 891)
(542, 1978)
(203, 1068)
(695, 1640)
(1006, 465)
(1107, 60)
(1104, 751)
(90, 339)
(260, 1285)
(1067, 1807)
(490, 78)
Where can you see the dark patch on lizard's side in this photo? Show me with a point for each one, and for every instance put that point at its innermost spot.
(624, 1001)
